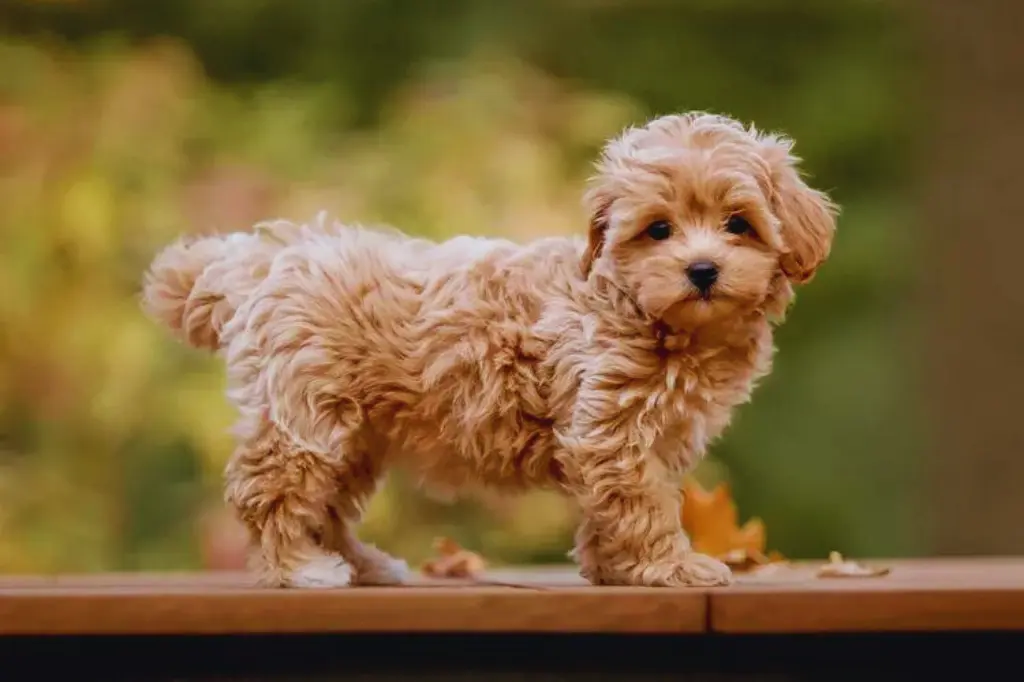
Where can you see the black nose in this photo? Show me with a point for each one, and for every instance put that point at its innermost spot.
(703, 274)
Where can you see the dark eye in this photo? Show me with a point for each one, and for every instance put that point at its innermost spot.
(659, 229)
(737, 225)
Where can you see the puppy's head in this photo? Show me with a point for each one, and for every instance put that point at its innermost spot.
(698, 218)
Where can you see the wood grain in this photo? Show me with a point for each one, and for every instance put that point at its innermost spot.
(922, 596)
(522, 601)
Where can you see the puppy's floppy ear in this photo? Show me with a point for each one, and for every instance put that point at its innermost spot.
(598, 203)
(807, 216)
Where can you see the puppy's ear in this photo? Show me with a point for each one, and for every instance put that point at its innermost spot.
(807, 217)
(598, 203)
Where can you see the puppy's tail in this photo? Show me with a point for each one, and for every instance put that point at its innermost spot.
(194, 286)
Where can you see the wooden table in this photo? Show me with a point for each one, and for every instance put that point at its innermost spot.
(919, 617)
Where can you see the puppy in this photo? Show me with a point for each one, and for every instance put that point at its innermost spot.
(601, 367)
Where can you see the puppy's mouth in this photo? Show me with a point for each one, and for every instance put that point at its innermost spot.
(706, 296)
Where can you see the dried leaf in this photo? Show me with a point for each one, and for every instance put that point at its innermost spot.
(742, 560)
(768, 569)
(838, 567)
(453, 561)
(710, 519)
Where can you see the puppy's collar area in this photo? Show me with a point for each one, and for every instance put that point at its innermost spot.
(668, 340)
(663, 334)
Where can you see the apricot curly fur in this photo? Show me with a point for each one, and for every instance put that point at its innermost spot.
(591, 366)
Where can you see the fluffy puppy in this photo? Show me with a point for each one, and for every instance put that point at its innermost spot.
(602, 367)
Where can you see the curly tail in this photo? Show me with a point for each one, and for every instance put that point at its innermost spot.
(194, 286)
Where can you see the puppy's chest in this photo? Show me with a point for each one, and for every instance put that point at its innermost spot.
(694, 401)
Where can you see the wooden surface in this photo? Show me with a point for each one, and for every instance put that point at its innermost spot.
(923, 596)
(521, 601)
(948, 595)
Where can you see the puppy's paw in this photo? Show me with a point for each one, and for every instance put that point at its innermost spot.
(322, 572)
(383, 570)
(690, 570)
(698, 570)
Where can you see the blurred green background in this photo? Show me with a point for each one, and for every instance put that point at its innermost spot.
(124, 124)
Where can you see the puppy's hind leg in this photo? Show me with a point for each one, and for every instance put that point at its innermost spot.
(281, 493)
(356, 483)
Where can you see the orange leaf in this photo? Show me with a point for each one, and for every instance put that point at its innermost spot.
(453, 561)
(710, 518)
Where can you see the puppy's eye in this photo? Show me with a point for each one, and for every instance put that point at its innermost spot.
(659, 229)
(737, 224)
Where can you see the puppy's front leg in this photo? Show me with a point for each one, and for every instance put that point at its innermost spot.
(631, 533)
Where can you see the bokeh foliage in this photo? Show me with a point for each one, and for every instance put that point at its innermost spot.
(124, 124)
